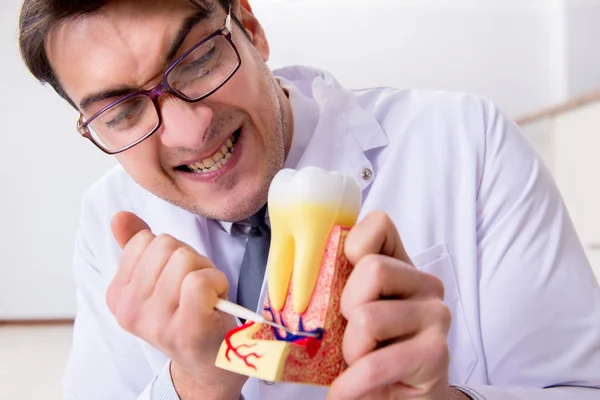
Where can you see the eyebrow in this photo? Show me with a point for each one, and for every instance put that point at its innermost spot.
(183, 33)
(187, 26)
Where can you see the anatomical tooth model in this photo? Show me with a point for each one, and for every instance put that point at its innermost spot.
(311, 212)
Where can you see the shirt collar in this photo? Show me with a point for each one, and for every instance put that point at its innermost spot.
(305, 111)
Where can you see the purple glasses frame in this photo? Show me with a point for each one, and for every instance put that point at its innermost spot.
(163, 88)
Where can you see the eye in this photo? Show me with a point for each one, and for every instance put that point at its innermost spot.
(200, 62)
(199, 67)
(123, 116)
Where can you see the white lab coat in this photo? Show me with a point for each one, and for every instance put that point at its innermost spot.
(473, 204)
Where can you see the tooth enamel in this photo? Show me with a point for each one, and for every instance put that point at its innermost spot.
(192, 167)
(209, 162)
(304, 206)
(224, 149)
(217, 157)
(229, 143)
(199, 165)
(227, 156)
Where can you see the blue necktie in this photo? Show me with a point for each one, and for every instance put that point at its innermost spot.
(254, 264)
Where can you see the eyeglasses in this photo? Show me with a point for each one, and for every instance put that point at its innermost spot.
(194, 76)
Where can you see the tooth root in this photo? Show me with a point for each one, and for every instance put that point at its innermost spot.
(309, 251)
(304, 207)
(282, 253)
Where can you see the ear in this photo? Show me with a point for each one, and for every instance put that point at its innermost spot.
(253, 28)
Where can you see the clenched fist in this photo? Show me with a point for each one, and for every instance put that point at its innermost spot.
(164, 292)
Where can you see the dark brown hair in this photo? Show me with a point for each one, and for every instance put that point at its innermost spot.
(39, 17)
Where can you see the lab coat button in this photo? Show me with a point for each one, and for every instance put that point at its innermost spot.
(367, 174)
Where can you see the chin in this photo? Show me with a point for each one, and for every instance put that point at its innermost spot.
(240, 207)
(234, 205)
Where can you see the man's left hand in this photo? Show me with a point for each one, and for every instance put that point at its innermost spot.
(395, 342)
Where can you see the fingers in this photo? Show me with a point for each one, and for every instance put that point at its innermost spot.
(376, 277)
(151, 264)
(134, 250)
(203, 287)
(372, 325)
(375, 234)
(126, 225)
(133, 236)
(406, 368)
(179, 282)
(199, 293)
(181, 263)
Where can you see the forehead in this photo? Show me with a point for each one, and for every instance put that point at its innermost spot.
(122, 45)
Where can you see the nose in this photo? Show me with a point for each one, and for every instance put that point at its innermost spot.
(184, 124)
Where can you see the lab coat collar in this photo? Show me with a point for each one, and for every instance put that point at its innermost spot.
(331, 96)
(345, 132)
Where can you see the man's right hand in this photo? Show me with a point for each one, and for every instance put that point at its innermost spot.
(164, 292)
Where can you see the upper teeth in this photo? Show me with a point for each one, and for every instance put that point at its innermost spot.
(216, 161)
(304, 206)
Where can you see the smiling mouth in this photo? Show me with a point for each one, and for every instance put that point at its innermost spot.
(217, 160)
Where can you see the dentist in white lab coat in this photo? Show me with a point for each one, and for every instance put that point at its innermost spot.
(473, 204)
(469, 280)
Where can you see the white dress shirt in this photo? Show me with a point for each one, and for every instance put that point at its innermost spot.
(472, 202)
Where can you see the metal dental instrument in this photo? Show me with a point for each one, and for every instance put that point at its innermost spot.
(241, 312)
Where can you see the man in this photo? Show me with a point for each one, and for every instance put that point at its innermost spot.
(179, 91)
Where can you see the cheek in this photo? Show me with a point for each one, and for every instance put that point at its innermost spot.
(259, 103)
(246, 89)
(251, 88)
(143, 162)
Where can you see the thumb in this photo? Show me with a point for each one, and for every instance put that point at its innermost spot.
(125, 225)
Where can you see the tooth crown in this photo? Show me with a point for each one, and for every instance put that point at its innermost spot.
(304, 206)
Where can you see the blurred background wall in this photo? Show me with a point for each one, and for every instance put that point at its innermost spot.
(526, 55)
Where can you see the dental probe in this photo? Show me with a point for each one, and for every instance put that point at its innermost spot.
(242, 312)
